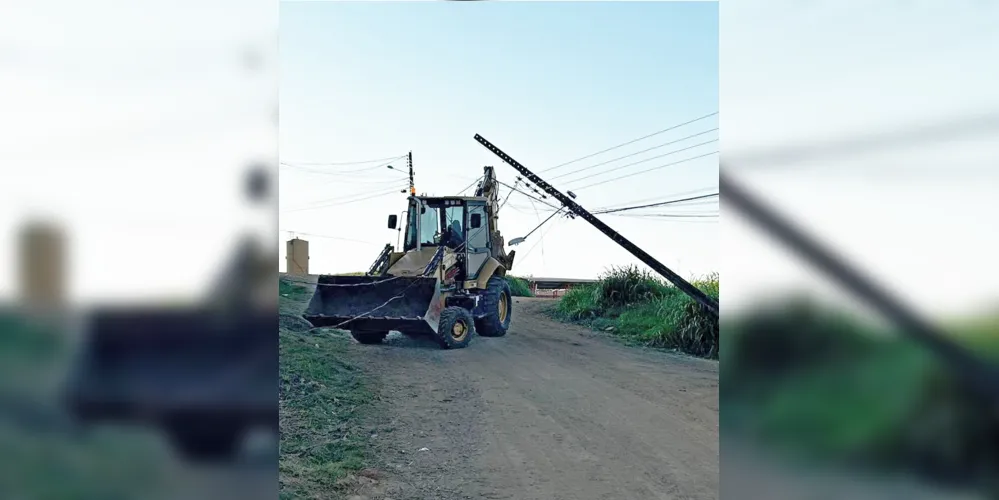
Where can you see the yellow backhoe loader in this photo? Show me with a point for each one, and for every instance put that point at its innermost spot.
(447, 283)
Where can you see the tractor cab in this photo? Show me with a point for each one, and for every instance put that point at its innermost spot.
(457, 223)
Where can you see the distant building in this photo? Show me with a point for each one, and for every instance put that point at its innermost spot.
(297, 255)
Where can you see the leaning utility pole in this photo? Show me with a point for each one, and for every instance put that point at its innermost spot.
(412, 186)
(692, 291)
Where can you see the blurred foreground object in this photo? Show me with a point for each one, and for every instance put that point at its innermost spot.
(977, 374)
(826, 393)
(819, 386)
(207, 375)
(258, 184)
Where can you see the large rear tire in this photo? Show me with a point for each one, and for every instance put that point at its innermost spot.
(368, 337)
(496, 307)
(455, 328)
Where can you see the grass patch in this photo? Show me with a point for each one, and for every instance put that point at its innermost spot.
(819, 385)
(519, 287)
(640, 307)
(42, 459)
(324, 399)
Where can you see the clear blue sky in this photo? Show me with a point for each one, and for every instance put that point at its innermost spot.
(547, 82)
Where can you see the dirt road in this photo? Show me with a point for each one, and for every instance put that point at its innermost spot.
(551, 411)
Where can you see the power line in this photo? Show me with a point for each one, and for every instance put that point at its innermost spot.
(646, 171)
(326, 236)
(660, 204)
(631, 142)
(674, 216)
(527, 195)
(338, 203)
(358, 182)
(542, 223)
(962, 127)
(508, 195)
(634, 202)
(541, 240)
(360, 194)
(339, 172)
(646, 200)
(643, 161)
(670, 218)
(468, 186)
(526, 211)
(634, 154)
(329, 163)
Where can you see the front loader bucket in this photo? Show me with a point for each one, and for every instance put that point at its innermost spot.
(376, 303)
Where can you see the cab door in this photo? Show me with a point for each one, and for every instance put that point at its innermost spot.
(477, 238)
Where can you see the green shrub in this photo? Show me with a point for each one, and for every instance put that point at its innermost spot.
(625, 286)
(579, 303)
(645, 308)
(686, 325)
(519, 287)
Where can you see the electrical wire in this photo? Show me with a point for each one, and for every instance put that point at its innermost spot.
(675, 216)
(670, 218)
(361, 194)
(641, 161)
(646, 200)
(660, 204)
(541, 239)
(528, 195)
(468, 186)
(359, 182)
(342, 172)
(322, 163)
(630, 142)
(646, 171)
(338, 203)
(635, 154)
(542, 223)
(325, 236)
(957, 128)
(508, 195)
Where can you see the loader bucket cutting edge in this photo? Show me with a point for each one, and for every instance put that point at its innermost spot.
(363, 303)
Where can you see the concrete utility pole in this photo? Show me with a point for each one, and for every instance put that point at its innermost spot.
(529, 177)
(412, 186)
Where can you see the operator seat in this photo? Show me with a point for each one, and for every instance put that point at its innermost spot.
(455, 237)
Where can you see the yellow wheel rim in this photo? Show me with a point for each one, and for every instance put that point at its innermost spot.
(459, 331)
(503, 308)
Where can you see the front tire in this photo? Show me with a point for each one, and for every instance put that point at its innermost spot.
(368, 337)
(455, 328)
(496, 304)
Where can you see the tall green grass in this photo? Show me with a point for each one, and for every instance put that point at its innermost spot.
(519, 287)
(822, 385)
(635, 304)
